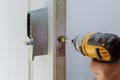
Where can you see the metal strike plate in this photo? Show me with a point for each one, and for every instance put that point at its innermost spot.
(60, 49)
(39, 31)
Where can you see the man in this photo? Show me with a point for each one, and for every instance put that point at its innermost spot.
(105, 71)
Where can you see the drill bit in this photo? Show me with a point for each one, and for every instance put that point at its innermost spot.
(63, 39)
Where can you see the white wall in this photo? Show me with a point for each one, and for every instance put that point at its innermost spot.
(88, 16)
(13, 52)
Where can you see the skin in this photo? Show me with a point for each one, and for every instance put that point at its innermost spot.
(105, 71)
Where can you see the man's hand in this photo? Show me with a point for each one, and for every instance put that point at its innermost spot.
(105, 71)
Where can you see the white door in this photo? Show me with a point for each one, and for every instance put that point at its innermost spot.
(13, 52)
(41, 68)
(50, 66)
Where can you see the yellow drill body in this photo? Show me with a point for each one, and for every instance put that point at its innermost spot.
(104, 47)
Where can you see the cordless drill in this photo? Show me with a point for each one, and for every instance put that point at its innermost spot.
(103, 47)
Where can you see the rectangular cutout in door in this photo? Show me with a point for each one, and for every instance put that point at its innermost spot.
(39, 31)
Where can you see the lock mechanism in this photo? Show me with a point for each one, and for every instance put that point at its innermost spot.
(37, 31)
